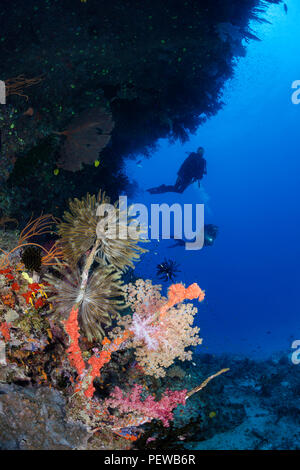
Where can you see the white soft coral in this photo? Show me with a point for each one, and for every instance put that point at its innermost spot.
(143, 330)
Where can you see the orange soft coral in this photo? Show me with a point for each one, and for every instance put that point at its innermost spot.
(178, 293)
(96, 362)
(72, 328)
(104, 357)
(4, 329)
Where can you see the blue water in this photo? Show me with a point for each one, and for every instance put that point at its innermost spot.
(251, 274)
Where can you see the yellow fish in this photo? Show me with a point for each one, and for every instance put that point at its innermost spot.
(97, 163)
(212, 414)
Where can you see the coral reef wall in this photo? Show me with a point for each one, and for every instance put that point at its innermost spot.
(157, 69)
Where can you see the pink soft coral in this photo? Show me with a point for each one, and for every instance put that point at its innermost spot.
(149, 408)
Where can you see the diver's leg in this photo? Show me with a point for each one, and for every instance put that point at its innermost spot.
(162, 189)
(180, 186)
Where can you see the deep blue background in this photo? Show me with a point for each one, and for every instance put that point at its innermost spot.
(251, 274)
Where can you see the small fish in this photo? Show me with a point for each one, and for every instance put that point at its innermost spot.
(56, 171)
(285, 8)
(212, 414)
(96, 163)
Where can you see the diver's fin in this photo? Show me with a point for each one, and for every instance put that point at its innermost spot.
(174, 246)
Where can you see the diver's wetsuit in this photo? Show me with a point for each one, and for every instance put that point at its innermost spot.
(192, 169)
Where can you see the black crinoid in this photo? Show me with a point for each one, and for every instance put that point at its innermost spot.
(167, 270)
(32, 258)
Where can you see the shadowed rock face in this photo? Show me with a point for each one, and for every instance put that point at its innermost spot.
(32, 419)
(157, 67)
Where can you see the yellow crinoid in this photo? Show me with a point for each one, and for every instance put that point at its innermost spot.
(82, 227)
(98, 303)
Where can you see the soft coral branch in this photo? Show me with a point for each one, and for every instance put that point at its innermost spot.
(72, 328)
(178, 293)
(97, 362)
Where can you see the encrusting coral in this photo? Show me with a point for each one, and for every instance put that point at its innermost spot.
(25, 327)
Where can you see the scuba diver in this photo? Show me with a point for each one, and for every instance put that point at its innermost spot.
(210, 234)
(192, 169)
